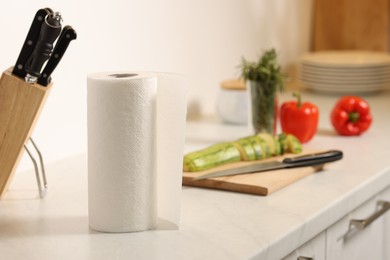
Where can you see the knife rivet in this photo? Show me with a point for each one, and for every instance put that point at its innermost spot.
(56, 55)
(40, 18)
(29, 42)
(20, 66)
(44, 75)
(67, 36)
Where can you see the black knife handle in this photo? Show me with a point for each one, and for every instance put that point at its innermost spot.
(30, 42)
(313, 159)
(49, 32)
(67, 35)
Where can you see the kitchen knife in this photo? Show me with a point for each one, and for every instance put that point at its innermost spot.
(313, 159)
(67, 35)
(38, 47)
(50, 30)
(30, 42)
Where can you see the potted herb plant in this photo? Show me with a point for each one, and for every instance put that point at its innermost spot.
(264, 80)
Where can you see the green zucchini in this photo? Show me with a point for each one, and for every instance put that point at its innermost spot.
(283, 142)
(249, 148)
(265, 147)
(246, 149)
(256, 144)
(210, 157)
(270, 141)
(293, 144)
(278, 146)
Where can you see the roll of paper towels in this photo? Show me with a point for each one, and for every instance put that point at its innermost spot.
(136, 127)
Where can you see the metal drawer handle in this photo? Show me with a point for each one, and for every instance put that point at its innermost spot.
(360, 224)
(305, 258)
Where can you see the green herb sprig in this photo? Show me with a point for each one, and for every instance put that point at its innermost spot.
(266, 70)
(266, 79)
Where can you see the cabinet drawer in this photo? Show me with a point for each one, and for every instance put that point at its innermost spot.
(385, 195)
(313, 249)
(364, 243)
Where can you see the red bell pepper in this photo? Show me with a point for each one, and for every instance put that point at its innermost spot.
(299, 119)
(351, 116)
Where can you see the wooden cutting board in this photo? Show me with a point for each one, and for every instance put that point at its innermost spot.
(262, 183)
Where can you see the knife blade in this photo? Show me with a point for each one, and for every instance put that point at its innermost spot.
(313, 159)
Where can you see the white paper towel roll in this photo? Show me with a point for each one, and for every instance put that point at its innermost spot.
(134, 160)
(171, 115)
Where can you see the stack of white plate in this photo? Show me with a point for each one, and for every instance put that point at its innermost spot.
(345, 71)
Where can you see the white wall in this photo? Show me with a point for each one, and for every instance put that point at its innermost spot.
(204, 39)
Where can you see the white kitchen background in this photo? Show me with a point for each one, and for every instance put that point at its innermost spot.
(203, 39)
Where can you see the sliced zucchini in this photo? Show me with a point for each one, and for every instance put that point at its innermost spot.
(246, 149)
(270, 141)
(210, 157)
(265, 147)
(283, 142)
(256, 144)
(293, 144)
(250, 148)
(278, 146)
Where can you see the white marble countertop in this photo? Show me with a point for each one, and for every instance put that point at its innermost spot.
(214, 224)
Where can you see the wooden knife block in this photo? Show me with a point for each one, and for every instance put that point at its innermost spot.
(20, 106)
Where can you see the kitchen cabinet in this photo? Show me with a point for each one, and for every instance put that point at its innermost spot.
(314, 249)
(367, 243)
(385, 195)
(349, 24)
